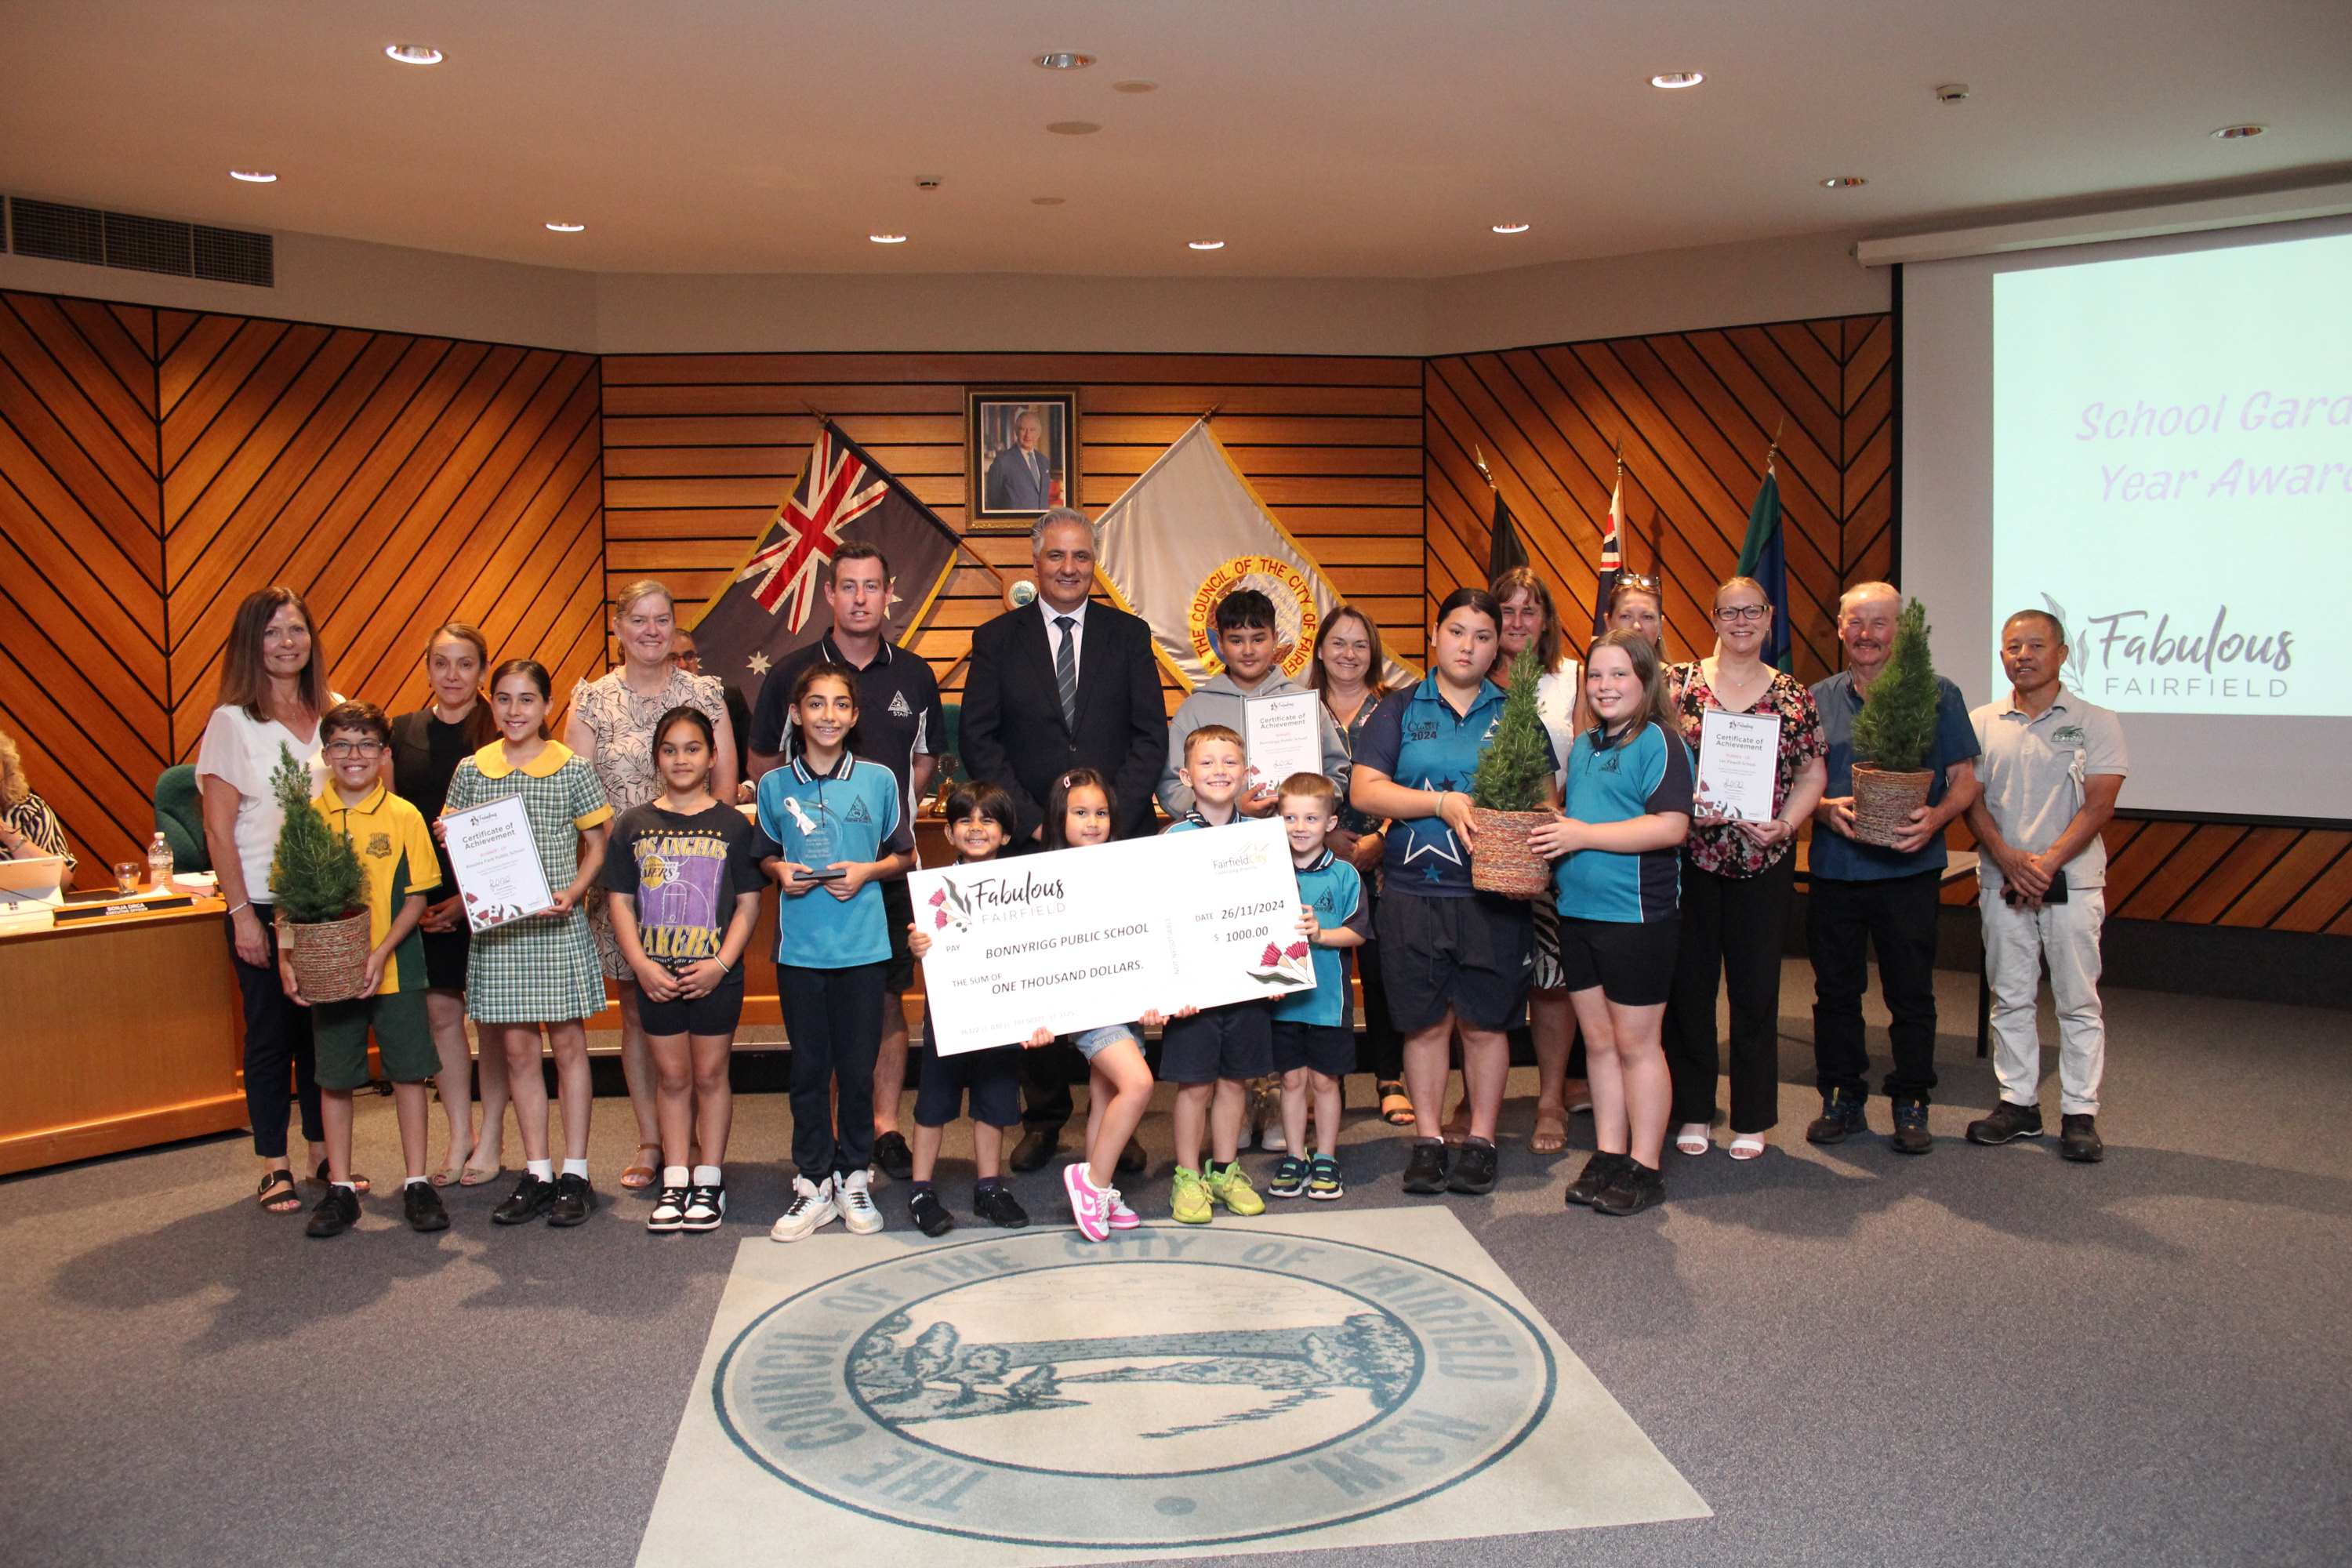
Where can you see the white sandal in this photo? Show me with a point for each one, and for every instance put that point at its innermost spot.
(1748, 1146)
(1691, 1137)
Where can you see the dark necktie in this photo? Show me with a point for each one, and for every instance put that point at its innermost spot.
(1066, 669)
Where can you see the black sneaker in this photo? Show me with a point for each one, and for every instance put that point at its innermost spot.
(706, 1205)
(574, 1199)
(526, 1203)
(2078, 1139)
(929, 1216)
(420, 1206)
(1594, 1179)
(1911, 1135)
(999, 1208)
(1475, 1165)
(669, 1211)
(337, 1213)
(1424, 1173)
(1840, 1120)
(893, 1158)
(1634, 1188)
(2007, 1123)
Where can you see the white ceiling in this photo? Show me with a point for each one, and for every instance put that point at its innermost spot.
(1330, 137)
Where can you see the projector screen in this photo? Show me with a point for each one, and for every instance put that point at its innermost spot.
(2152, 440)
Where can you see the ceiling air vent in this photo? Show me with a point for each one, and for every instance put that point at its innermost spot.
(54, 231)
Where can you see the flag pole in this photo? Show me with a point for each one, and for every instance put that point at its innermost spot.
(1479, 458)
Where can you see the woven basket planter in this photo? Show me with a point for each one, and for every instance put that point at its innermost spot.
(1501, 861)
(1883, 803)
(328, 958)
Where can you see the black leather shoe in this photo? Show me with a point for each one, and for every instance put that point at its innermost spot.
(1840, 1120)
(1131, 1159)
(1594, 1179)
(2007, 1123)
(422, 1207)
(893, 1157)
(1424, 1173)
(999, 1208)
(929, 1214)
(2078, 1139)
(1475, 1166)
(526, 1203)
(1911, 1135)
(336, 1212)
(1034, 1149)
(573, 1201)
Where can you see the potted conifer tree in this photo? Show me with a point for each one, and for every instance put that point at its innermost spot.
(1893, 733)
(321, 892)
(1510, 791)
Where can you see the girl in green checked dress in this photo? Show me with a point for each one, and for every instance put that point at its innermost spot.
(540, 969)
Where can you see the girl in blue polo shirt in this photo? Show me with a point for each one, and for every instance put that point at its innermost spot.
(1626, 813)
(836, 831)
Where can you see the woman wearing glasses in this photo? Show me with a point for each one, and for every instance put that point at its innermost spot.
(1736, 881)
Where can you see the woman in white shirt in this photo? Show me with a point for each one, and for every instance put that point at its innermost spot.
(273, 689)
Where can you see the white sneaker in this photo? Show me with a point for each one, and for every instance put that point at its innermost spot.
(856, 1203)
(813, 1205)
(1115, 1211)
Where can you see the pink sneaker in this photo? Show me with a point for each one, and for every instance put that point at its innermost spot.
(1121, 1217)
(1088, 1205)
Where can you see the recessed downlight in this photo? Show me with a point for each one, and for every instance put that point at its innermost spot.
(1673, 79)
(1843, 182)
(566, 228)
(414, 53)
(1206, 243)
(887, 238)
(1064, 60)
(1074, 128)
(254, 176)
(1510, 229)
(2238, 132)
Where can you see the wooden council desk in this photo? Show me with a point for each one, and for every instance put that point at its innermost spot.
(123, 1031)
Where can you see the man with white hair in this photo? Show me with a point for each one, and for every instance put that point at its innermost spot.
(1020, 477)
(1864, 896)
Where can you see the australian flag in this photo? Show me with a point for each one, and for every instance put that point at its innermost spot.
(776, 603)
(1764, 557)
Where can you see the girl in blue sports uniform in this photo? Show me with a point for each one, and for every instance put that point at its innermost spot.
(1624, 815)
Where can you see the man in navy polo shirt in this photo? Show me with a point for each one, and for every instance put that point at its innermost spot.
(1863, 895)
(900, 724)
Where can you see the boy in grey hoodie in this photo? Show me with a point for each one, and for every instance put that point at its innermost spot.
(1248, 639)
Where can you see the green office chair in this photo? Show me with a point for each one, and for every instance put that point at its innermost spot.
(180, 817)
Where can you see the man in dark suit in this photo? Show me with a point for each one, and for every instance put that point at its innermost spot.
(1020, 479)
(1063, 683)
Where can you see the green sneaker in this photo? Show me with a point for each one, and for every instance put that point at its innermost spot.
(1323, 1179)
(1231, 1187)
(1187, 1197)
(1290, 1178)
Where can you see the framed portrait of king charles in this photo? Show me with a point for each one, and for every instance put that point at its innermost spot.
(1024, 446)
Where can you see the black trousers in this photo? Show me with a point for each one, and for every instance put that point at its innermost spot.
(281, 1069)
(1897, 917)
(1381, 1052)
(833, 1020)
(1732, 928)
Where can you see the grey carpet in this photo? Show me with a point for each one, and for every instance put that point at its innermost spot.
(1855, 1357)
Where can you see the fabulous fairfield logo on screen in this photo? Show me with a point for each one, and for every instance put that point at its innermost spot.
(2139, 652)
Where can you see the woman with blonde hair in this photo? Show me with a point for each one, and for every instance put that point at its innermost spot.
(28, 828)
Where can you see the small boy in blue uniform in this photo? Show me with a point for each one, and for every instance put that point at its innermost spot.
(1315, 1031)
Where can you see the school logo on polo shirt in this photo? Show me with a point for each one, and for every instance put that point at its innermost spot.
(1332, 1383)
(899, 708)
(857, 813)
(379, 846)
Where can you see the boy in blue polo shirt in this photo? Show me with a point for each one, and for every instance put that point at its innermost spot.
(1315, 1031)
(1209, 1055)
(836, 831)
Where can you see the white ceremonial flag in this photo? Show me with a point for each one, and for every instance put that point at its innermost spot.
(1189, 531)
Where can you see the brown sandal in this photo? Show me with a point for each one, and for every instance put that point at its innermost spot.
(1551, 1135)
(639, 1176)
(1396, 1106)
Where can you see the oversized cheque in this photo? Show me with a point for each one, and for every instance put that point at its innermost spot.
(1083, 937)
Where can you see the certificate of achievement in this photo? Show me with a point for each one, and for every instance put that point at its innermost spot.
(1079, 938)
(497, 862)
(1737, 755)
(1283, 735)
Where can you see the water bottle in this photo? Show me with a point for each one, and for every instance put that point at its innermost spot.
(159, 863)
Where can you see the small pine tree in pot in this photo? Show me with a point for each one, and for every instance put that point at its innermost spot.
(1894, 734)
(1510, 791)
(319, 890)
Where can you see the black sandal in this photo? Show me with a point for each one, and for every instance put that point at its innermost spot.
(270, 1192)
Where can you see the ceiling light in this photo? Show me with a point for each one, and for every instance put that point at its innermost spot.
(1206, 243)
(1047, 201)
(1510, 229)
(254, 176)
(1065, 60)
(2238, 132)
(1135, 87)
(1672, 79)
(887, 238)
(566, 228)
(414, 54)
(1843, 182)
(1074, 128)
